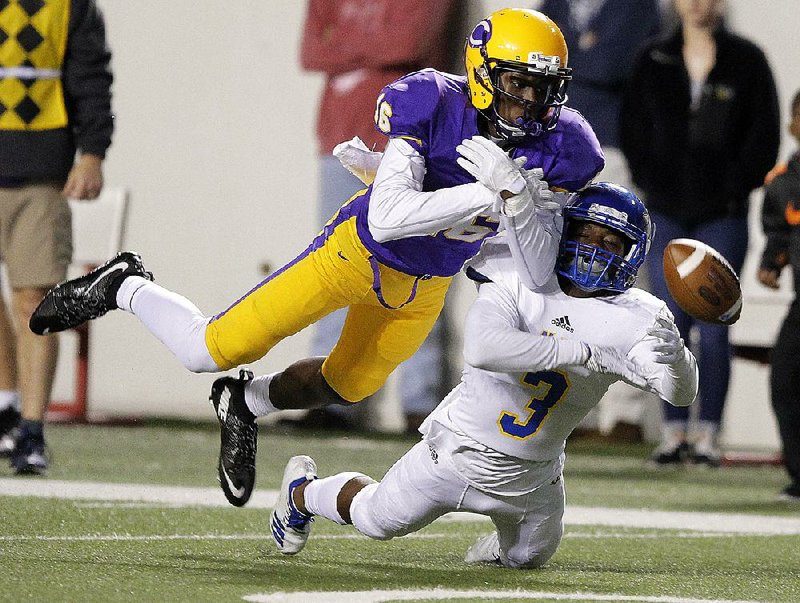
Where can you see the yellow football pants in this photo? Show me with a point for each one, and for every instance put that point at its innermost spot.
(334, 272)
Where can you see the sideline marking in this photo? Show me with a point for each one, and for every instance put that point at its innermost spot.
(265, 499)
(435, 594)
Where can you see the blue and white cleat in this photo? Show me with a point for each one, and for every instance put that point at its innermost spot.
(290, 527)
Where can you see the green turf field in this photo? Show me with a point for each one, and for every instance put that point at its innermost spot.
(78, 548)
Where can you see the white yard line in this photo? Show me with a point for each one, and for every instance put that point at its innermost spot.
(376, 596)
(265, 499)
(167, 537)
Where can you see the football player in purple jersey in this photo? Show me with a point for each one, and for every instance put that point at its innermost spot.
(466, 157)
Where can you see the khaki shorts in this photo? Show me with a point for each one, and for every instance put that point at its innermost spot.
(35, 234)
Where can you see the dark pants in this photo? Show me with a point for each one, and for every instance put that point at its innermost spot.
(729, 237)
(785, 389)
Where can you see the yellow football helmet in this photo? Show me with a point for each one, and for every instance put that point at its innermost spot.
(525, 42)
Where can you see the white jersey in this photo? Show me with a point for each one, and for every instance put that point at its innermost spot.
(527, 411)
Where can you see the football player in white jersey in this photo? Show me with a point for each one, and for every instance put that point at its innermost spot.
(536, 362)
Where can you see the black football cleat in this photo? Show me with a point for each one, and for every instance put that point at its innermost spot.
(238, 438)
(77, 300)
(29, 456)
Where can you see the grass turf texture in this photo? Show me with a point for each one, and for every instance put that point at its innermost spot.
(61, 550)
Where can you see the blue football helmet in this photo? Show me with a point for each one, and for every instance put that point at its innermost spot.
(593, 268)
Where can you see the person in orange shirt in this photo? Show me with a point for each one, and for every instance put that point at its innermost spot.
(780, 217)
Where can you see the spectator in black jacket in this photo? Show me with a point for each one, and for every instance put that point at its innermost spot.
(55, 98)
(700, 129)
(780, 217)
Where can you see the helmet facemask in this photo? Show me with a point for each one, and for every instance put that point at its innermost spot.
(539, 115)
(593, 268)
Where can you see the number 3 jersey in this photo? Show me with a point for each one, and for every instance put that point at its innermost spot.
(507, 430)
(431, 111)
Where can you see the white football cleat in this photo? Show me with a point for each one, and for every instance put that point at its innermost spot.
(485, 550)
(290, 527)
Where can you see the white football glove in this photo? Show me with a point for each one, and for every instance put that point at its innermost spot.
(490, 165)
(609, 360)
(358, 159)
(670, 348)
(536, 191)
(540, 190)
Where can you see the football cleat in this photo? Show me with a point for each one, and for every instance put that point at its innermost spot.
(9, 421)
(238, 438)
(29, 456)
(290, 527)
(77, 300)
(485, 550)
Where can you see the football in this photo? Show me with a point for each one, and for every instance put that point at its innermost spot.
(702, 282)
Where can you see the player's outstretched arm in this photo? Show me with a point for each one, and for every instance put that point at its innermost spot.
(494, 342)
(673, 373)
(534, 232)
(525, 203)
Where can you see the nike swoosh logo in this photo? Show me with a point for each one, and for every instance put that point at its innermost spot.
(792, 214)
(237, 492)
(120, 266)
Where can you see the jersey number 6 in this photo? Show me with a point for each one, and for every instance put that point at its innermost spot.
(382, 114)
(550, 388)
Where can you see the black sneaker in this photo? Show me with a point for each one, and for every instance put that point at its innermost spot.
(30, 455)
(9, 429)
(238, 438)
(666, 455)
(75, 301)
(790, 493)
(708, 458)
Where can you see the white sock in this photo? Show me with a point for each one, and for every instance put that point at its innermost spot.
(673, 434)
(256, 396)
(705, 436)
(9, 398)
(172, 318)
(320, 495)
(130, 285)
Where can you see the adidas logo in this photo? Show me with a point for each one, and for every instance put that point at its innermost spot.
(563, 322)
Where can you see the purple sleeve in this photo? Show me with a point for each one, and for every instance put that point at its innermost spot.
(406, 108)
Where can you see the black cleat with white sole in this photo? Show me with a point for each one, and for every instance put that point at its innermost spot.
(77, 300)
(238, 438)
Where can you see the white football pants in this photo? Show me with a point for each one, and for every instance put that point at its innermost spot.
(423, 485)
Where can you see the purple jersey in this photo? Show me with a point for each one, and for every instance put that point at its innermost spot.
(432, 112)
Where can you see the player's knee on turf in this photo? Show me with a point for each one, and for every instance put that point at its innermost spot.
(535, 561)
(530, 559)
